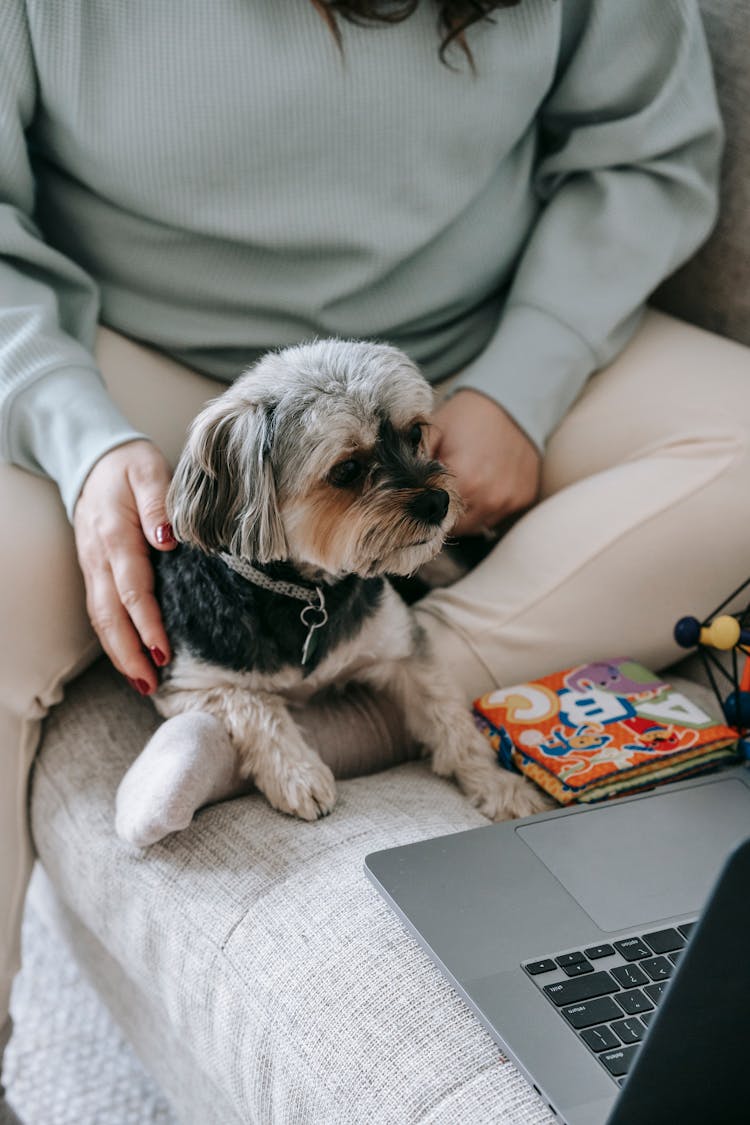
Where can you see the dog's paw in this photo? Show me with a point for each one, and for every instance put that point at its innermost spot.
(308, 791)
(501, 795)
(496, 792)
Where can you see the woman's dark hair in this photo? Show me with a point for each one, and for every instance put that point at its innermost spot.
(454, 16)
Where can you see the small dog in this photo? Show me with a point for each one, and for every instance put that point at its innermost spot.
(300, 488)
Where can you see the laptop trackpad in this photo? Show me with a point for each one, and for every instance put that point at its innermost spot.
(637, 862)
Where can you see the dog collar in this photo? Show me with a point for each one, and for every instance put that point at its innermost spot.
(312, 595)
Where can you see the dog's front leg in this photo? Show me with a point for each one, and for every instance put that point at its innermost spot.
(272, 752)
(445, 727)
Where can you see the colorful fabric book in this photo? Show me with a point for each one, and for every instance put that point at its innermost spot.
(602, 729)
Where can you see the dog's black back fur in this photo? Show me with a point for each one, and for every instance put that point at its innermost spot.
(221, 618)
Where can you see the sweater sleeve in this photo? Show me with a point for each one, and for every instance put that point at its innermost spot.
(56, 417)
(629, 150)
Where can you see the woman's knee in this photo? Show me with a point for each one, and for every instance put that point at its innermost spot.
(674, 389)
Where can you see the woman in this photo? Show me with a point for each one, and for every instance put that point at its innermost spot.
(494, 187)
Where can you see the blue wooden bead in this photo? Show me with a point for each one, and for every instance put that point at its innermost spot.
(687, 632)
(737, 709)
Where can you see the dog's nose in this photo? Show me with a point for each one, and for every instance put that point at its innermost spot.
(430, 506)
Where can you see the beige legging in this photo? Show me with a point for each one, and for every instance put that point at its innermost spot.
(643, 517)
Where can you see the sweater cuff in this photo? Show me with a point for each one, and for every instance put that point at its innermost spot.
(61, 424)
(535, 367)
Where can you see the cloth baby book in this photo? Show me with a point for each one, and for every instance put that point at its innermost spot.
(602, 729)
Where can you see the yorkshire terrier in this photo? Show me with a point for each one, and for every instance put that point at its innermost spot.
(299, 490)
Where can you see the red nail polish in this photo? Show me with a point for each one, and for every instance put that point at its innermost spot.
(158, 656)
(139, 685)
(164, 533)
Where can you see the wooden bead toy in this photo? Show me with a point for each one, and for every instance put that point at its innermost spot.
(725, 633)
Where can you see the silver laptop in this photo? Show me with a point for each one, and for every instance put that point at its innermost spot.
(563, 931)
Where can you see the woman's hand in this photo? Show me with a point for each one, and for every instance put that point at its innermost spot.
(497, 468)
(121, 510)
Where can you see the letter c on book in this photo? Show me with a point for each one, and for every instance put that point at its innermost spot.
(526, 703)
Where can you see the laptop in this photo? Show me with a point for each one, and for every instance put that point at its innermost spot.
(605, 948)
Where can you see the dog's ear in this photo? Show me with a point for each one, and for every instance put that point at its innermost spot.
(223, 496)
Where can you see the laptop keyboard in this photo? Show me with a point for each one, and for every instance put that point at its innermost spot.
(608, 994)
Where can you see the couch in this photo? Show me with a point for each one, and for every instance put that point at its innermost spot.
(253, 967)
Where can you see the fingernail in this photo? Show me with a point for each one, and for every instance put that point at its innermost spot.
(158, 656)
(164, 533)
(139, 685)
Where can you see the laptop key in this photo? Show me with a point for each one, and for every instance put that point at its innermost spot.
(629, 976)
(664, 941)
(658, 968)
(578, 969)
(600, 1038)
(655, 990)
(584, 988)
(629, 1030)
(545, 966)
(686, 928)
(591, 1011)
(566, 959)
(618, 1062)
(633, 1002)
(594, 952)
(632, 949)
(647, 1017)
(674, 957)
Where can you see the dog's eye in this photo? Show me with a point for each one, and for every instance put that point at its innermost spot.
(346, 472)
(415, 435)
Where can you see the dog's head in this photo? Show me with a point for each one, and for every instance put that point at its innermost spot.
(316, 455)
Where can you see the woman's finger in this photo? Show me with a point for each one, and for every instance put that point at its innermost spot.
(115, 630)
(149, 477)
(133, 577)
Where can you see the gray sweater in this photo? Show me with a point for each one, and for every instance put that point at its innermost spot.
(215, 179)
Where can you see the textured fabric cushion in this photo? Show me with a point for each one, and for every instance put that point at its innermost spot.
(713, 289)
(259, 974)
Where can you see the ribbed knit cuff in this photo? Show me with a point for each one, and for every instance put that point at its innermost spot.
(534, 367)
(61, 424)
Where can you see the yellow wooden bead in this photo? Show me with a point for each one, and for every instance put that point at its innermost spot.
(723, 633)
